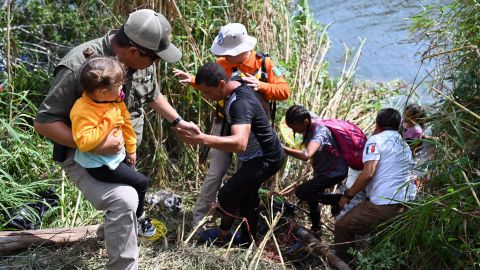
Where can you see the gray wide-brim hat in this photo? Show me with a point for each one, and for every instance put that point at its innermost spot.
(232, 40)
(152, 31)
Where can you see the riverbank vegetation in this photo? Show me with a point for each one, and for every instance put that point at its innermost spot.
(444, 217)
(444, 223)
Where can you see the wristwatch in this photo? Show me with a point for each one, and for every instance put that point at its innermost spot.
(346, 194)
(176, 121)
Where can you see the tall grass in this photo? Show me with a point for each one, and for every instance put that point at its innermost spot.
(26, 167)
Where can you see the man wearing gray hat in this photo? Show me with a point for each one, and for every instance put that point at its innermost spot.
(139, 43)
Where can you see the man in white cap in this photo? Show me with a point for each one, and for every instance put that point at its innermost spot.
(141, 41)
(236, 54)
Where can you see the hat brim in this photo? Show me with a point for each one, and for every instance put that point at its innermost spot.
(170, 55)
(247, 45)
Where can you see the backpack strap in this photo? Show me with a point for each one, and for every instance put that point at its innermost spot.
(315, 122)
(264, 75)
(264, 78)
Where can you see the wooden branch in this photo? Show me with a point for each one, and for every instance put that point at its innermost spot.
(18, 240)
(314, 246)
(471, 47)
(456, 103)
(23, 26)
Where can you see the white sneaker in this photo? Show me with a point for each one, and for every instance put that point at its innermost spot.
(145, 227)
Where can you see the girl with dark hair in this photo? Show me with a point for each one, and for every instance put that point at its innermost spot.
(414, 118)
(413, 124)
(94, 115)
(328, 169)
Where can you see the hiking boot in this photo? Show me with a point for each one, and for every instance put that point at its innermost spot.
(214, 236)
(145, 227)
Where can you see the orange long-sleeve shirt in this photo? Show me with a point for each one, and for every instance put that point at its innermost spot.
(275, 89)
(92, 122)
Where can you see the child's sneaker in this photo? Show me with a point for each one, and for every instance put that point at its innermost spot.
(145, 227)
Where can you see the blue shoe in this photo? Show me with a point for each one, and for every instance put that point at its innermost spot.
(237, 238)
(297, 245)
(214, 236)
(209, 236)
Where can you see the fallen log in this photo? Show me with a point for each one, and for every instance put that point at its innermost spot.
(314, 246)
(18, 240)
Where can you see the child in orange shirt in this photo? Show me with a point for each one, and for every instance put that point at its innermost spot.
(94, 115)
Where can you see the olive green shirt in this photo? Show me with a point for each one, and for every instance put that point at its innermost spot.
(140, 87)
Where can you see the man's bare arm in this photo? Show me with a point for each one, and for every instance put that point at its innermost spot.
(60, 133)
(237, 142)
(57, 131)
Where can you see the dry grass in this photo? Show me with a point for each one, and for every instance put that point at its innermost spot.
(92, 255)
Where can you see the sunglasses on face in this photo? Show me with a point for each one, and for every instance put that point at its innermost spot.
(145, 53)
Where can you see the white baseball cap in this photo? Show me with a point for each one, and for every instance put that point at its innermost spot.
(151, 31)
(233, 40)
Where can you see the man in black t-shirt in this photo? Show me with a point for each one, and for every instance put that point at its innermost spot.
(251, 136)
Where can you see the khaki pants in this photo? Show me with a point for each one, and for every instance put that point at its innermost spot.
(360, 221)
(120, 203)
(218, 167)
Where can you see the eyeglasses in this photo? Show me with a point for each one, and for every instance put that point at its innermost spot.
(143, 53)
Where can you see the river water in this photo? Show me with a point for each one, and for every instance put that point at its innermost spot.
(389, 51)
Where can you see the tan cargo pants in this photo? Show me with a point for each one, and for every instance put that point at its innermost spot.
(120, 203)
(361, 220)
(218, 167)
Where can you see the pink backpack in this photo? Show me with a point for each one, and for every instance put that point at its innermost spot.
(350, 139)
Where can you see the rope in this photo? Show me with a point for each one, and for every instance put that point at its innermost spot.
(161, 230)
(217, 205)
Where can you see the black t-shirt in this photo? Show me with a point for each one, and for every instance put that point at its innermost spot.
(243, 107)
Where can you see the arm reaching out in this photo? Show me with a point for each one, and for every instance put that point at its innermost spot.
(362, 181)
(237, 142)
(312, 148)
(162, 107)
(183, 76)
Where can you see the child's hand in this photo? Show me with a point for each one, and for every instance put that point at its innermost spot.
(131, 158)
